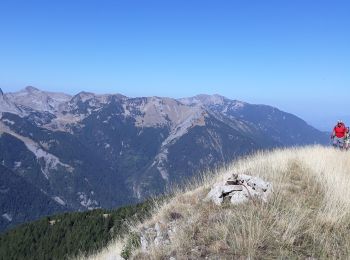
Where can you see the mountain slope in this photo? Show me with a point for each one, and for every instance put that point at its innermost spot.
(21, 202)
(306, 216)
(280, 126)
(93, 151)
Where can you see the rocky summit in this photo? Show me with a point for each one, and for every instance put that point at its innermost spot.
(89, 151)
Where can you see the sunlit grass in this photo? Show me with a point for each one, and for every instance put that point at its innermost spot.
(306, 216)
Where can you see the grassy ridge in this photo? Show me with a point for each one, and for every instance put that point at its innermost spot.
(307, 216)
(67, 235)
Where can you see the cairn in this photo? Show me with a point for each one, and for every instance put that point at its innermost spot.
(239, 188)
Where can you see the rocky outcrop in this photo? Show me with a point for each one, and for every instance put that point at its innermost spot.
(239, 188)
(236, 189)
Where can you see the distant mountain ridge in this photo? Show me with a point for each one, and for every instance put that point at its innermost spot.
(88, 151)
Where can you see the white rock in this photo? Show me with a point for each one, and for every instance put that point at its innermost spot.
(215, 195)
(144, 243)
(158, 241)
(239, 197)
(258, 184)
(158, 229)
(251, 188)
(231, 188)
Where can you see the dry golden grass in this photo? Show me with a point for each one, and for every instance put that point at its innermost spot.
(308, 214)
(111, 252)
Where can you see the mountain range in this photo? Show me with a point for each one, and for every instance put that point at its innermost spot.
(60, 152)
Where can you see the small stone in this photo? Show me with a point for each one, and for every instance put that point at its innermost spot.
(175, 215)
(234, 176)
(239, 197)
(258, 184)
(158, 241)
(158, 229)
(230, 188)
(215, 195)
(144, 243)
(231, 182)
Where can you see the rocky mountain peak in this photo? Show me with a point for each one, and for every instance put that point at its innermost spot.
(31, 89)
(204, 99)
(33, 99)
(212, 99)
(83, 96)
(1, 92)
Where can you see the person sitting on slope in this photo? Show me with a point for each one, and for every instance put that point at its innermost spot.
(338, 134)
(347, 139)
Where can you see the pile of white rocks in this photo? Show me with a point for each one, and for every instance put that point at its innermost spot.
(239, 188)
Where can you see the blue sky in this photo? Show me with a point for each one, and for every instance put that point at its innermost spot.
(293, 54)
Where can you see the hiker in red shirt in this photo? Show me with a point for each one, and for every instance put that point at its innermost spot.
(339, 134)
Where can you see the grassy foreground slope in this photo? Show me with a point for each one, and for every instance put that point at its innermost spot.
(308, 214)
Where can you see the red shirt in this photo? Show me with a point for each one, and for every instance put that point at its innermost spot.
(340, 131)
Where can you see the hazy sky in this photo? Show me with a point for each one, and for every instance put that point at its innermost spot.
(293, 54)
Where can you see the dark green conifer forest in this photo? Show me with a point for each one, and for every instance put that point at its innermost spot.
(71, 234)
